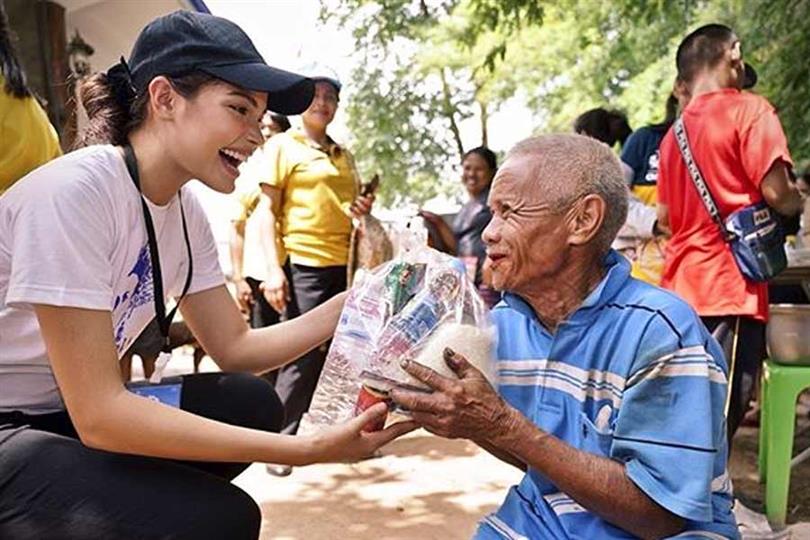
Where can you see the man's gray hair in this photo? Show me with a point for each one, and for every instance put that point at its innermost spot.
(567, 167)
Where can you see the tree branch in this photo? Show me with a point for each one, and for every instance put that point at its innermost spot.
(450, 112)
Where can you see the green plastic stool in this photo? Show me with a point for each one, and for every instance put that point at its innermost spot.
(781, 386)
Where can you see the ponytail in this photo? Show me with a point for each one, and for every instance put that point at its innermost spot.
(108, 119)
(114, 107)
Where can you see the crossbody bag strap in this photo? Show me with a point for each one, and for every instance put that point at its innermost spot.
(697, 178)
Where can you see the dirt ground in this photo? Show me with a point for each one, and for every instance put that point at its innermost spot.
(427, 488)
(743, 468)
(422, 488)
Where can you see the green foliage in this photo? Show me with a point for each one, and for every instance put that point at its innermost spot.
(775, 37)
(417, 79)
(442, 61)
(392, 123)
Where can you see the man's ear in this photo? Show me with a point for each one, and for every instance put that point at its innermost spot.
(736, 52)
(162, 98)
(585, 219)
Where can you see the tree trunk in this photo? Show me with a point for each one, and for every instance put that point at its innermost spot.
(450, 112)
(484, 122)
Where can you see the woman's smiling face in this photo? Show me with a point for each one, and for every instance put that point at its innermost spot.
(218, 129)
(324, 105)
(476, 174)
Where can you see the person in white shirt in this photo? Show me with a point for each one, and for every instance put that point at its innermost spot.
(91, 247)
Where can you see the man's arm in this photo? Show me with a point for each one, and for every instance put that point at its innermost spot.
(597, 483)
(470, 408)
(779, 192)
(503, 456)
(663, 219)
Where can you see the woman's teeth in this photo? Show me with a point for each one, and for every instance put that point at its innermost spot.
(233, 154)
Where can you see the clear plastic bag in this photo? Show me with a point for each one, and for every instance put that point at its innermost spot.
(398, 311)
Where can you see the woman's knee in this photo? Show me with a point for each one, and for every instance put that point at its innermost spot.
(231, 514)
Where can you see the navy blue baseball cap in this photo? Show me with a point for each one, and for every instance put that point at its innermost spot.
(185, 41)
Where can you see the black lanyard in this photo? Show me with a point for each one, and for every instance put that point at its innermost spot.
(163, 320)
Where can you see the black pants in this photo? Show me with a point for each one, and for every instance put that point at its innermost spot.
(295, 383)
(52, 486)
(261, 312)
(743, 343)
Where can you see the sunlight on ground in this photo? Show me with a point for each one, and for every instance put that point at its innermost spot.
(422, 487)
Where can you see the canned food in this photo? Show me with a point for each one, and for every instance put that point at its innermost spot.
(367, 398)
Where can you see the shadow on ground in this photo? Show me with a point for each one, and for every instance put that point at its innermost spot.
(423, 488)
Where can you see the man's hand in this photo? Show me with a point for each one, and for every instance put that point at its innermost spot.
(276, 289)
(362, 205)
(467, 407)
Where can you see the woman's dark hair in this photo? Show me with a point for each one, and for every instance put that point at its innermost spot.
(486, 154)
(112, 117)
(670, 114)
(603, 125)
(10, 68)
(281, 121)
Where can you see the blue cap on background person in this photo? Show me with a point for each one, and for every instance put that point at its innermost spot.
(318, 72)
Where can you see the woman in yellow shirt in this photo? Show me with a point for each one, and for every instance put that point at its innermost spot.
(310, 189)
(27, 138)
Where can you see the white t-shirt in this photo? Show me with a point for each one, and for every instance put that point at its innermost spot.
(72, 234)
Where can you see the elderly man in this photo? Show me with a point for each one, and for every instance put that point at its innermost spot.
(611, 390)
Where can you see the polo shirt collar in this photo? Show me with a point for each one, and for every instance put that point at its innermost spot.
(332, 148)
(618, 272)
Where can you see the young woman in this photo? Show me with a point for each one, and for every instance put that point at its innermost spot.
(91, 245)
(478, 167)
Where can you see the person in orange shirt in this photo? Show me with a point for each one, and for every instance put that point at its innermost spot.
(738, 144)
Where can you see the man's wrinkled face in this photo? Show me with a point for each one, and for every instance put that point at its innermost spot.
(527, 238)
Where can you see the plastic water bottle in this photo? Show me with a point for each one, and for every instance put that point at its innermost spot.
(407, 330)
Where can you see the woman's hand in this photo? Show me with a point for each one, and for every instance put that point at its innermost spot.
(276, 289)
(361, 205)
(348, 441)
(430, 216)
(244, 296)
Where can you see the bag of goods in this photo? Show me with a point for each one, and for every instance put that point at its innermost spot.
(410, 308)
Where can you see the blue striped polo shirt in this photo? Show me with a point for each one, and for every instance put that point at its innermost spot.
(632, 375)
